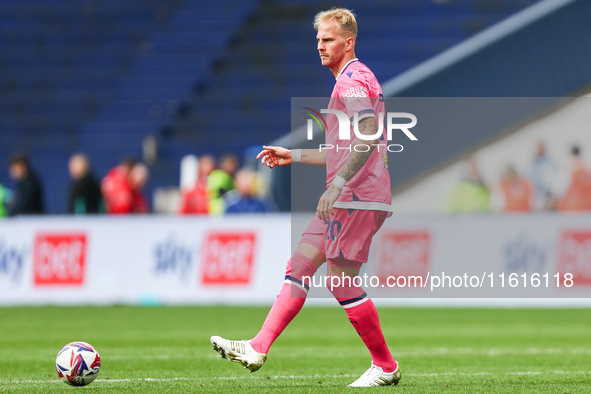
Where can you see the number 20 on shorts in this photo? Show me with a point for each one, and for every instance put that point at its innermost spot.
(333, 229)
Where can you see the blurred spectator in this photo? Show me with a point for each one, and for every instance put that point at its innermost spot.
(85, 192)
(471, 194)
(220, 182)
(513, 193)
(196, 200)
(28, 195)
(122, 188)
(5, 198)
(117, 190)
(578, 195)
(242, 199)
(138, 177)
(542, 174)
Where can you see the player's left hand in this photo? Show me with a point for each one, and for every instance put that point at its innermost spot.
(272, 156)
(326, 202)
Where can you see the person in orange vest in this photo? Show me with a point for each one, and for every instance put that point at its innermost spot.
(516, 194)
(578, 195)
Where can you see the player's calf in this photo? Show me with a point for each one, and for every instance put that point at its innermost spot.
(363, 315)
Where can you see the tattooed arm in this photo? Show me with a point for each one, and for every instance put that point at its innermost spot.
(353, 164)
(314, 157)
(272, 156)
(356, 159)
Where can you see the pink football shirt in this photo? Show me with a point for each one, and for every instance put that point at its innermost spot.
(357, 91)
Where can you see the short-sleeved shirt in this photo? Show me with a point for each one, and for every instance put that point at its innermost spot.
(358, 91)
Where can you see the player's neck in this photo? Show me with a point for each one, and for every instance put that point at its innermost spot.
(336, 69)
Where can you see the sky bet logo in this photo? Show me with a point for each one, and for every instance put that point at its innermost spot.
(345, 129)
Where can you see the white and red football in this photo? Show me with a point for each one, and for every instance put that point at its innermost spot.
(78, 363)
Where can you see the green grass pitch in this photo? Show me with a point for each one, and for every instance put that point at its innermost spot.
(167, 350)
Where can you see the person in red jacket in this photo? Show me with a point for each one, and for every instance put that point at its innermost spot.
(116, 189)
(196, 201)
(138, 177)
(122, 188)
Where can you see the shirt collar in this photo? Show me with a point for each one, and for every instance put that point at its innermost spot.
(345, 67)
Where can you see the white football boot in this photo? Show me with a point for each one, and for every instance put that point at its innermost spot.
(239, 352)
(375, 376)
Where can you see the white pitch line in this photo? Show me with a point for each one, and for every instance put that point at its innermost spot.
(263, 377)
(418, 352)
(490, 352)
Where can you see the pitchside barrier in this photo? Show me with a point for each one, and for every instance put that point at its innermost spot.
(152, 260)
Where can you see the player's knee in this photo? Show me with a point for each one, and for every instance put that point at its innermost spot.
(302, 266)
(300, 270)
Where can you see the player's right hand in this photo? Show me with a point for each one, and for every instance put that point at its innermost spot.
(272, 156)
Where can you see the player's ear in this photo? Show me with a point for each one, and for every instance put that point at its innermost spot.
(350, 41)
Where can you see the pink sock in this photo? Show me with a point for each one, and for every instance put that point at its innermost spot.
(288, 304)
(363, 315)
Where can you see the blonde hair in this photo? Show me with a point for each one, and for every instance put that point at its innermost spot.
(344, 18)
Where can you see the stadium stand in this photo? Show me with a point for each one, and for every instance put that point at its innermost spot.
(249, 96)
(99, 76)
(520, 57)
(545, 60)
(61, 61)
(276, 59)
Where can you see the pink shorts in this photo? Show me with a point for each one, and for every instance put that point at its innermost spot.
(346, 238)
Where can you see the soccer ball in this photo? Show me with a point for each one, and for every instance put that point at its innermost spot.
(78, 363)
